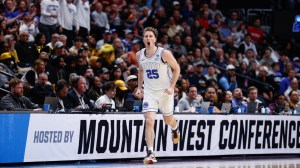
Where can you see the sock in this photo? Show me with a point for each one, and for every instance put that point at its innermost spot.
(150, 149)
(175, 128)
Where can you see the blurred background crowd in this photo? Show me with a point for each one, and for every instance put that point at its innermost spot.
(86, 49)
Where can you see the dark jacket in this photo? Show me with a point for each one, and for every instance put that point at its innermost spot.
(74, 100)
(10, 102)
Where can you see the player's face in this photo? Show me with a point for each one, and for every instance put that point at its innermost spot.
(149, 39)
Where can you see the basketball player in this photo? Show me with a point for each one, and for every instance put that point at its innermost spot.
(158, 71)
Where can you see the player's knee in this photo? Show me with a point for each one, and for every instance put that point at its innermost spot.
(168, 120)
(149, 121)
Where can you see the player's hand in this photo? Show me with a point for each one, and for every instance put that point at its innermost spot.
(169, 90)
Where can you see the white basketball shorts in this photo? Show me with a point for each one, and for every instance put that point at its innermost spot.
(158, 99)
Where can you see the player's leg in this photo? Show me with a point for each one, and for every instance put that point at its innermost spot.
(166, 105)
(150, 136)
(150, 108)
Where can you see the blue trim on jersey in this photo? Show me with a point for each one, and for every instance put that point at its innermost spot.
(13, 136)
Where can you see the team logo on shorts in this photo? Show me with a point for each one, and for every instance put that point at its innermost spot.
(145, 105)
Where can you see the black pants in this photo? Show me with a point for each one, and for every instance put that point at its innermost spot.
(48, 30)
(70, 37)
(83, 32)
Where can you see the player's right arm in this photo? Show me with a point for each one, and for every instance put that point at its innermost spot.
(140, 74)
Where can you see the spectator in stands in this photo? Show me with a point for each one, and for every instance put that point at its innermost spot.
(78, 43)
(249, 56)
(267, 60)
(210, 95)
(204, 19)
(104, 75)
(194, 78)
(96, 64)
(84, 18)
(234, 20)
(238, 100)
(10, 14)
(95, 88)
(39, 42)
(68, 20)
(30, 25)
(131, 55)
(99, 22)
(211, 73)
(106, 38)
(26, 51)
(225, 98)
(63, 38)
(80, 66)
(276, 74)
(118, 47)
(109, 89)
(134, 100)
(293, 101)
(286, 82)
(15, 100)
(84, 53)
(213, 9)
(10, 42)
(49, 17)
(49, 69)
(164, 41)
(184, 85)
(89, 75)
(190, 57)
(277, 106)
(123, 65)
(77, 95)
(247, 44)
(108, 55)
(54, 39)
(70, 66)
(266, 89)
(256, 32)
(121, 93)
(40, 90)
(116, 73)
(5, 66)
(199, 68)
(61, 91)
(191, 101)
(30, 77)
(293, 86)
(131, 84)
(253, 97)
(127, 40)
(177, 45)
(228, 80)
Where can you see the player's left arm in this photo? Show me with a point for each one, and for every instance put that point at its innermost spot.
(168, 57)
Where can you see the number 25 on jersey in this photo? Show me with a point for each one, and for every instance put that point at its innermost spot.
(152, 74)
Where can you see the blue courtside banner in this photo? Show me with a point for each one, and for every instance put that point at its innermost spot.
(13, 135)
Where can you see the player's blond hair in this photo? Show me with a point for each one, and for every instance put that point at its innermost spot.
(152, 29)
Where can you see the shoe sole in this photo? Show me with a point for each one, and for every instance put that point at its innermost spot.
(147, 161)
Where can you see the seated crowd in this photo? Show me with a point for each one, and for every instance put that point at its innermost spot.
(222, 58)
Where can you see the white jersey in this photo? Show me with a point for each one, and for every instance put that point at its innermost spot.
(157, 74)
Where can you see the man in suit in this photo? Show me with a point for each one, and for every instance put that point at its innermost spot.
(77, 96)
(61, 91)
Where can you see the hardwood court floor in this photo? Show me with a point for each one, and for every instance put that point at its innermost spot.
(195, 162)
